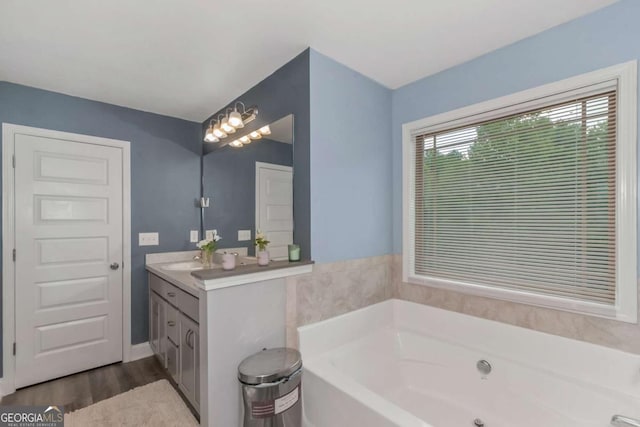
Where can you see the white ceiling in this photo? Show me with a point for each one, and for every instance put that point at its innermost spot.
(188, 58)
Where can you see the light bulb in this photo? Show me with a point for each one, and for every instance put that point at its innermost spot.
(209, 136)
(235, 120)
(265, 130)
(245, 140)
(219, 132)
(236, 144)
(225, 126)
(255, 135)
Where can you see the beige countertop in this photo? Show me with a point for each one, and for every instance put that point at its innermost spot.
(192, 281)
(217, 273)
(212, 280)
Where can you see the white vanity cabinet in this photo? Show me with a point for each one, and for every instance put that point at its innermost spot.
(174, 335)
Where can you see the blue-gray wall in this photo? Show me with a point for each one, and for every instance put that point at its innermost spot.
(350, 163)
(284, 92)
(230, 178)
(607, 37)
(165, 170)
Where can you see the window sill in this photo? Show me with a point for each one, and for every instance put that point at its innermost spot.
(522, 297)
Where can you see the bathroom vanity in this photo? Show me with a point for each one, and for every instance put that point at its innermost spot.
(174, 333)
(204, 322)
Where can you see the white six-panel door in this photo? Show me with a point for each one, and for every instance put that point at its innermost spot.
(274, 207)
(69, 251)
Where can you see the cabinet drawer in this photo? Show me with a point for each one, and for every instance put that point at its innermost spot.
(172, 361)
(170, 293)
(184, 301)
(189, 305)
(173, 326)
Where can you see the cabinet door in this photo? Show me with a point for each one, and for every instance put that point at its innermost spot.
(190, 360)
(172, 361)
(196, 369)
(156, 326)
(173, 327)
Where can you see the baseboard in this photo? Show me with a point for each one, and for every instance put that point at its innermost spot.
(140, 351)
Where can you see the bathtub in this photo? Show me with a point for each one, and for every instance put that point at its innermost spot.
(403, 364)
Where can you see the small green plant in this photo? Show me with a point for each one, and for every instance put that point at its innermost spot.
(261, 241)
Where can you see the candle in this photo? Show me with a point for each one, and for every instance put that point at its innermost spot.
(228, 261)
(294, 252)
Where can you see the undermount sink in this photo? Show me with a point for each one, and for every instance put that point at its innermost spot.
(183, 266)
(197, 265)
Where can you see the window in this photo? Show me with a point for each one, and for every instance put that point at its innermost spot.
(530, 197)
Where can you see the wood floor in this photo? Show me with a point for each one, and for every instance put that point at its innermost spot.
(85, 388)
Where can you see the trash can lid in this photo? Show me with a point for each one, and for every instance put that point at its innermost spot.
(269, 366)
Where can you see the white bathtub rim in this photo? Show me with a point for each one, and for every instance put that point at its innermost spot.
(527, 347)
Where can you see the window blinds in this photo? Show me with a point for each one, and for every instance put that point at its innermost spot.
(524, 202)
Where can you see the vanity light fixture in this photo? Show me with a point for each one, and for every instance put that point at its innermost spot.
(233, 118)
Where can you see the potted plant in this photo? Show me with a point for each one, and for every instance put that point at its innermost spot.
(208, 247)
(262, 254)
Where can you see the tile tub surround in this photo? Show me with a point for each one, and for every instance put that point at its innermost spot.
(336, 288)
(610, 333)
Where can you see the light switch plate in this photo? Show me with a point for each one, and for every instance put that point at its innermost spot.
(209, 234)
(193, 236)
(148, 239)
(244, 235)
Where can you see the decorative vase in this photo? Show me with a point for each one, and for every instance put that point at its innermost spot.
(263, 257)
(207, 258)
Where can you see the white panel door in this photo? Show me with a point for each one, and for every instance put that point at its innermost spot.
(274, 207)
(68, 219)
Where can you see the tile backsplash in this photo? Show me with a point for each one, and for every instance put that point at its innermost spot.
(336, 288)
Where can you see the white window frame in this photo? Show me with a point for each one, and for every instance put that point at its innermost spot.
(626, 307)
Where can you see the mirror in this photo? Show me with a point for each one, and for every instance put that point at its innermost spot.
(250, 188)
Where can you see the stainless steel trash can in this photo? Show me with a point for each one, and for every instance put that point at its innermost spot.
(271, 388)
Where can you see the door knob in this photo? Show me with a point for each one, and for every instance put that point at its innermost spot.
(114, 266)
